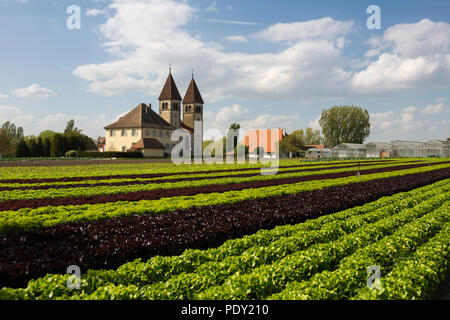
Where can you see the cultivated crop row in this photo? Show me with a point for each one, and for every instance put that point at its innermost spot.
(133, 187)
(112, 242)
(143, 170)
(108, 207)
(261, 265)
(173, 178)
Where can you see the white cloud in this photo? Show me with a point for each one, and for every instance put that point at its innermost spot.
(143, 48)
(3, 96)
(95, 12)
(238, 114)
(315, 124)
(433, 109)
(324, 28)
(33, 125)
(239, 39)
(245, 23)
(407, 124)
(415, 55)
(33, 92)
(311, 66)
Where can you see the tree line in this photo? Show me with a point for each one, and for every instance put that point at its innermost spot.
(48, 143)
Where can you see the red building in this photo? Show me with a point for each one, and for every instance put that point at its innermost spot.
(265, 139)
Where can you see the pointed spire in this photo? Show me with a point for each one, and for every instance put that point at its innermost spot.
(170, 90)
(193, 94)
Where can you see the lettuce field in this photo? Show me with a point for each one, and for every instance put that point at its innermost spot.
(161, 231)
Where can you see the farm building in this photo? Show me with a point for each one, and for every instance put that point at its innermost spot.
(349, 150)
(397, 148)
(413, 149)
(378, 149)
(266, 140)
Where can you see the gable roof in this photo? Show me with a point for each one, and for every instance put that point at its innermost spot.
(141, 117)
(193, 94)
(170, 90)
(147, 143)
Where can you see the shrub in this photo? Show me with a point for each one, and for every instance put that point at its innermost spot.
(72, 154)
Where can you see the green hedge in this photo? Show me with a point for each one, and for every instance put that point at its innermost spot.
(110, 154)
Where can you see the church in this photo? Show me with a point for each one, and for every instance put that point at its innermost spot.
(144, 130)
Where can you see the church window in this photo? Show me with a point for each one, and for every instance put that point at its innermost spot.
(124, 149)
(147, 133)
(154, 133)
(124, 133)
(160, 133)
(134, 133)
(111, 133)
(167, 134)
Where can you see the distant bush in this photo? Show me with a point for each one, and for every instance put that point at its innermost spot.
(110, 154)
(72, 154)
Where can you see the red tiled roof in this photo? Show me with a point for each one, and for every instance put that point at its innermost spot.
(141, 117)
(170, 90)
(320, 146)
(193, 94)
(266, 138)
(147, 143)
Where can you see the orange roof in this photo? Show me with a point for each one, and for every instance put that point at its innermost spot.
(266, 138)
(317, 146)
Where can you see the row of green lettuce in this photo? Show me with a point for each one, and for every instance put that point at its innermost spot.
(28, 219)
(90, 181)
(256, 266)
(424, 239)
(54, 193)
(104, 169)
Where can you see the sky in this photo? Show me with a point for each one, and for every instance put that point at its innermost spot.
(260, 63)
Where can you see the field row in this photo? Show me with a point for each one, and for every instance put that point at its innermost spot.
(178, 178)
(132, 186)
(133, 170)
(79, 196)
(111, 242)
(289, 261)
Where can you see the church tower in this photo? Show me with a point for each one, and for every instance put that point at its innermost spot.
(192, 105)
(170, 102)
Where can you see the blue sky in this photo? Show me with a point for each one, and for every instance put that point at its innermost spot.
(264, 64)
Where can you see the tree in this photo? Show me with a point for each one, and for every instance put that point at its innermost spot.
(32, 146)
(291, 143)
(345, 124)
(5, 144)
(58, 146)
(47, 145)
(40, 147)
(22, 150)
(70, 128)
(10, 136)
(234, 131)
(312, 137)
